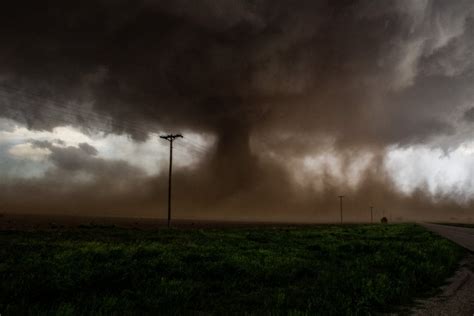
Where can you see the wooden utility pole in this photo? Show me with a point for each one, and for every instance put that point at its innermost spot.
(340, 204)
(171, 139)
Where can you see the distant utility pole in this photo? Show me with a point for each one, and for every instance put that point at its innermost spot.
(340, 205)
(371, 214)
(170, 138)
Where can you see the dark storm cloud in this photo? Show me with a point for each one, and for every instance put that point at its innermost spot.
(199, 64)
(367, 74)
(69, 159)
(469, 115)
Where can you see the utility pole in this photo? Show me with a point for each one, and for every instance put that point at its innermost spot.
(340, 205)
(371, 214)
(170, 138)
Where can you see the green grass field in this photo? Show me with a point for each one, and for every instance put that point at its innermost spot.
(327, 270)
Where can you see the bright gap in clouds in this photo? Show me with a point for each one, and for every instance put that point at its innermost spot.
(410, 168)
(439, 172)
(21, 158)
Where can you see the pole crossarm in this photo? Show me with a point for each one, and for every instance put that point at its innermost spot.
(171, 137)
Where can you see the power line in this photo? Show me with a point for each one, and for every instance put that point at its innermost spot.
(27, 99)
(72, 119)
(190, 150)
(78, 115)
(195, 148)
(69, 118)
(190, 142)
(51, 103)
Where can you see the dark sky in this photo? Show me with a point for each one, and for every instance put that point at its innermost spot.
(295, 102)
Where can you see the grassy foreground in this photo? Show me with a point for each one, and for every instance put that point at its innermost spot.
(326, 270)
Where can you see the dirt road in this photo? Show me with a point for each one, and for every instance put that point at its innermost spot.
(460, 235)
(457, 297)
